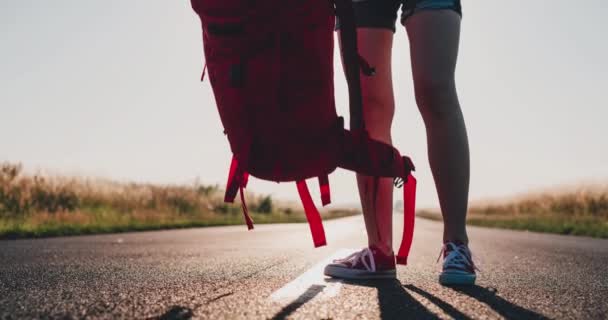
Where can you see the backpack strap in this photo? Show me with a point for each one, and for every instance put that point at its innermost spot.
(237, 181)
(244, 179)
(232, 185)
(312, 215)
(409, 208)
(204, 71)
(352, 61)
(324, 187)
(248, 219)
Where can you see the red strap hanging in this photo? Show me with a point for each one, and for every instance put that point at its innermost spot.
(409, 208)
(324, 186)
(248, 219)
(237, 181)
(312, 215)
(204, 70)
(232, 186)
(245, 179)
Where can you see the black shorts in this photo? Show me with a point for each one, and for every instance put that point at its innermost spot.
(383, 13)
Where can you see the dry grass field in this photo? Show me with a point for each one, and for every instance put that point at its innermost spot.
(37, 205)
(575, 210)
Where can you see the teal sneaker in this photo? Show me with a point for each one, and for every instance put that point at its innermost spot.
(458, 267)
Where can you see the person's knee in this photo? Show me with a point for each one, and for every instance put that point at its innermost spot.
(436, 97)
(378, 104)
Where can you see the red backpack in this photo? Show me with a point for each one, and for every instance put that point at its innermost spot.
(270, 64)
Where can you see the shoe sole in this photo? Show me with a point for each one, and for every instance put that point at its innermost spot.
(354, 274)
(452, 279)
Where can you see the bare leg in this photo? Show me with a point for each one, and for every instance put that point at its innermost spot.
(434, 37)
(378, 109)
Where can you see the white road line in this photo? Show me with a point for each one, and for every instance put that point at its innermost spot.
(313, 278)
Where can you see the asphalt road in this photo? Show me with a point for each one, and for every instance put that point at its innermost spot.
(273, 272)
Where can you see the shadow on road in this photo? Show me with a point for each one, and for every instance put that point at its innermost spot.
(395, 302)
(176, 313)
(506, 309)
(300, 301)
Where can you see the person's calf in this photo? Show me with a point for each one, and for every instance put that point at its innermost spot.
(376, 199)
(447, 150)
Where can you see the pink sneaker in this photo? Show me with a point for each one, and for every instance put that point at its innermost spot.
(369, 263)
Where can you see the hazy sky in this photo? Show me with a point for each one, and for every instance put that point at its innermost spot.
(110, 88)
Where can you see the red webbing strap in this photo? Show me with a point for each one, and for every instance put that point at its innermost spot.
(204, 70)
(351, 59)
(245, 178)
(324, 186)
(232, 186)
(409, 208)
(237, 181)
(245, 211)
(312, 215)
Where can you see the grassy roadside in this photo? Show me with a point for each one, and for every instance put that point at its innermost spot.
(42, 206)
(102, 221)
(579, 211)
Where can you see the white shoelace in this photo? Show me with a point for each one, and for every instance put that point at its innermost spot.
(354, 258)
(457, 258)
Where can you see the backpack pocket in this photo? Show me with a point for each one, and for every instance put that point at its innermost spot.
(224, 38)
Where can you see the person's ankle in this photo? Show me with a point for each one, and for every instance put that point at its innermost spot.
(456, 238)
(456, 241)
(382, 248)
